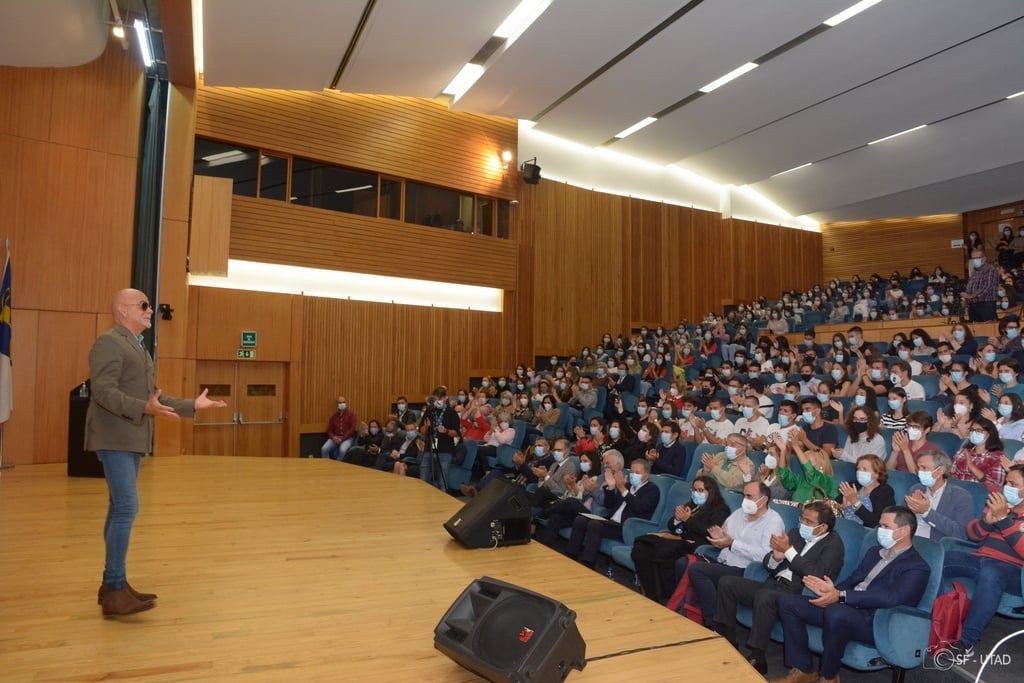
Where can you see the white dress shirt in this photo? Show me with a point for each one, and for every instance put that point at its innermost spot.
(750, 538)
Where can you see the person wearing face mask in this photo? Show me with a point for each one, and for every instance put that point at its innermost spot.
(941, 510)
(718, 427)
(962, 340)
(403, 412)
(593, 439)
(584, 495)
(864, 438)
(548, 415)
(393, 437)
(500, 433)
(622, 439)
(404, 460)
(899, 375)
(809, 550)
(369, 437)
(732, 467)
(815, 432)
(752, 425)
(669, 456)
(743, 539)
(777, 325)
(655, 554)
(523, 409)
(551, 476)
(957, 418)
(630, 497)
(815, 479)
(891, 574)
(584, 397)
(341, 432)
(985, 362)
(980, 294)
(808, 383)
(1009, 339)
(875, 377)
(1008, 416)
(505, 408)
(979, 459)
(907, 445)
(863, 502)
(443, 431)
(995, 567)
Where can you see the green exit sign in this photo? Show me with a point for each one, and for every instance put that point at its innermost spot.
(248, 340)
(247, 354)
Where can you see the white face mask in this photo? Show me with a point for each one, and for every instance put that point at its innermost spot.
(750, 506)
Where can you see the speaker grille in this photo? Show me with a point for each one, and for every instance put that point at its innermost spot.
(506, 633)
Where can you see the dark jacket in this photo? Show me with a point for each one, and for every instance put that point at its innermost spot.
(642, 504)
(881, 498)
(694, 531)
(901, 583)
(447, 418)
(671, 460)
(825, 558)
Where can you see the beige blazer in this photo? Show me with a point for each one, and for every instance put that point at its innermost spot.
(122, 378)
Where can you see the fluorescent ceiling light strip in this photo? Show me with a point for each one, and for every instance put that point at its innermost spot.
(732, 75)
(851, 11)
(635, 127)
(224, 155)
(197, 34)
(354, 189)
(463, 80)
(1016, 94)
(147, 54)
(516, 23)
(896, 135)
(270, 277)
(795, 168)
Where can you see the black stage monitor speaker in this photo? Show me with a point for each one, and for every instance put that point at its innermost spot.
(507, 633)
(498, 515)
(530, 173)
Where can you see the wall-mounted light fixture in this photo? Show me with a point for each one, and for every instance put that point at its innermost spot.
(506, 159)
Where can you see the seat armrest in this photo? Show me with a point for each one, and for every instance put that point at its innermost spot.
(635, 527)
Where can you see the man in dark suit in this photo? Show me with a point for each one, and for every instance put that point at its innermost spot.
(890, 575)
(635, 498)
(811, 550)
(119, 427)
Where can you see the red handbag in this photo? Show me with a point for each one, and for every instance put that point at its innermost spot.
(684, 599)
(948, 614)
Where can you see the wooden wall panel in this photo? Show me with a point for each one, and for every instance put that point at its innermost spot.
(210, 236)
(882, 246)
(676, 263)
(181, 127)
(275, 232)
(987, 222)
(68, 145)
(62, 362)
(372, 352)
(222, 315)
(409, 137)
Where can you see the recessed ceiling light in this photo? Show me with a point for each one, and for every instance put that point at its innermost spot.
(896, 135)
(734, 74)
(1016, 94)
(354, 189)
(635, 127)
(463, 80)
(851, 11)
(520, 19)
(795, 168)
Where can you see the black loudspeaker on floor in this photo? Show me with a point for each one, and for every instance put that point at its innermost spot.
(509, 634)
(498, 515)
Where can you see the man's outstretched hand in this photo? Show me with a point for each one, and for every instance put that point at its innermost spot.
(202, 402)
(157, 409)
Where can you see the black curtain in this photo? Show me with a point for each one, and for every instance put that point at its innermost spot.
(149, 197)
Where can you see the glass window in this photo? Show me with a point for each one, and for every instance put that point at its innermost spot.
(391, 198)
(273, 177)
(438, 207)
(503, 213)
(227, 161)
(484, 216)
(332, 187)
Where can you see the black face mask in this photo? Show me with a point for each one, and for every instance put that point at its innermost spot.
(806, 376)
(860, 427)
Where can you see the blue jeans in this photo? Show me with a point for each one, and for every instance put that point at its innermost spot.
(121, 469)
(992, 578)
(336, 451)
(427, 473)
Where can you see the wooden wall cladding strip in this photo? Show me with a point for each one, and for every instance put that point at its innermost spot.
(372, 352)
(275, 232)
(602, 262)
(211, 226)
(882, 246)
(409, 137)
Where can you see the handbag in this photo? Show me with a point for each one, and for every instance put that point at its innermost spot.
(684, 599)
(948, 614)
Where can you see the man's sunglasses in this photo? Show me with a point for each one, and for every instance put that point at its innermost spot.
(144, 305)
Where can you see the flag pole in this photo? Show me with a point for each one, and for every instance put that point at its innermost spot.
(7, 247)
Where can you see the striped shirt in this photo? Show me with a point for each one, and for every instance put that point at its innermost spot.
(983, 283)
(1003, 541)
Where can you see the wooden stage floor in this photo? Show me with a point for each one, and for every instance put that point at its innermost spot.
(287, 569)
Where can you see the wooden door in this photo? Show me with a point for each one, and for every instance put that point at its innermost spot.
(213, 430)
(260, 392)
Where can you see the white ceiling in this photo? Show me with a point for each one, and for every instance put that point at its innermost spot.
(899, 64)
(52, 32)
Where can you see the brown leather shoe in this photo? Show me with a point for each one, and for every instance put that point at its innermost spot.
(144, 597)
(467, 490)
(122, 602)
(797, 676)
